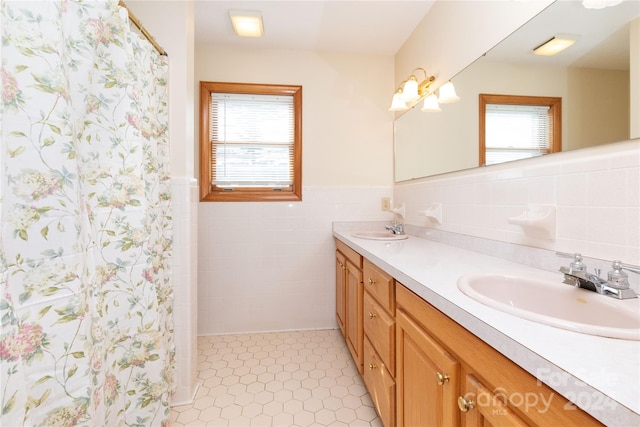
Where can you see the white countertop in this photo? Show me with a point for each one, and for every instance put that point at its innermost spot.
(601, 375)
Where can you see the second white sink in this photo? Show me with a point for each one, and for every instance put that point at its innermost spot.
(380, 235)
(556, 304)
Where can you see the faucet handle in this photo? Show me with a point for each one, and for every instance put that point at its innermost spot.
(617, 278)
(577, 264)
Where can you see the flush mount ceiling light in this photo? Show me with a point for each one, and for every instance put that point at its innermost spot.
(553, 46)
(247, 23)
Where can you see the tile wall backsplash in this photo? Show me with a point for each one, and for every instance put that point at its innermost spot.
(270, 266)
(596, 192)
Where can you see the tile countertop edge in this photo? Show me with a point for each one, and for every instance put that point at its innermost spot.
(595, 400)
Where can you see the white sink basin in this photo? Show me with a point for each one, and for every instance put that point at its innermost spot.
(379, 235)
(556, 304)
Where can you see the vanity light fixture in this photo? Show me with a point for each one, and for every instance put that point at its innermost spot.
(414, 90)
(431, 104)
(553, 46)
(447, 94)
(410, 91)
(247, 23)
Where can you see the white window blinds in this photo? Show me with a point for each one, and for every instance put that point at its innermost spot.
(516, 132)
(252, 140)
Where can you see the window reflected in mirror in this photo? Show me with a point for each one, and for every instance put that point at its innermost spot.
(514, 127)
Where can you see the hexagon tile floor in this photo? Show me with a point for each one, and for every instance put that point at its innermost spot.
(282, 379)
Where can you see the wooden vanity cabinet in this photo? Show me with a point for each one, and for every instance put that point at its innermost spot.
(379, 341)
(341, 298)
(349, 299)
(421, 368)
(489, 389)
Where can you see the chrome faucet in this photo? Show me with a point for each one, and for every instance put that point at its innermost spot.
(616, 285)
(395, 227)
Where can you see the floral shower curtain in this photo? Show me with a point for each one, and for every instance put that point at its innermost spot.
(85, 240)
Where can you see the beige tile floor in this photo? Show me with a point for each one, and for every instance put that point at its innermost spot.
(283, 379)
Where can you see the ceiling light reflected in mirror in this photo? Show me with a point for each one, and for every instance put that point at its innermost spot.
(554, 46)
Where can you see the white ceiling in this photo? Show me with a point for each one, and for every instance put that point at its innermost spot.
(602, 36)
(361, 26)
(367, 26)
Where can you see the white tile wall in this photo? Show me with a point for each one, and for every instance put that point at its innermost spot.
(184, 205)
(270, 266)
(596, 192)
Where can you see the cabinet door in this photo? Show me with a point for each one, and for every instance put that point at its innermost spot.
(380, 384)
(427, 378)
(354, 312)
(341, 269)
(482, 408)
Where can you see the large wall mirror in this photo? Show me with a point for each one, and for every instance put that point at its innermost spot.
(591, 77)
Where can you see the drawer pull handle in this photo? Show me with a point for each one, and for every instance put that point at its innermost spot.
(372, 315)
(372, 366)
(442, 378)
(372, 282)
(465, 404)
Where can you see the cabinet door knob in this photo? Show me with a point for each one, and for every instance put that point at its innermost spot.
(371, 315)
(465, 404)
(442, 378)
(372, 282)
(372, 366)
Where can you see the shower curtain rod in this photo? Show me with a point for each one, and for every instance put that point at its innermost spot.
(143, 30)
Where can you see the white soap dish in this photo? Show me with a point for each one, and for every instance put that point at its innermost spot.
(537, 221)
(433, 212)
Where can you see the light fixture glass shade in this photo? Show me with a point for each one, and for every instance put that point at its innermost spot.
(247, 23)
(397, 103)
(447, 94)
(410, 90)
(553, 46)
(431, 104)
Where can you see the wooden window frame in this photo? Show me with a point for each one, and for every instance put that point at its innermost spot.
(555, 110)
(211, 193)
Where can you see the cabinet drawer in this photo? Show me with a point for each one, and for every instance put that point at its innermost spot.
(380, 285)
(380, 384)
(379, 327)
(350, 254)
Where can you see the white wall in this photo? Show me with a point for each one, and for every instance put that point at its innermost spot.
(454, 33)
(270, 266)
(347, 130)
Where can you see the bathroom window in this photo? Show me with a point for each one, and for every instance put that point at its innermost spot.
(250, 142)
(518, 127)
